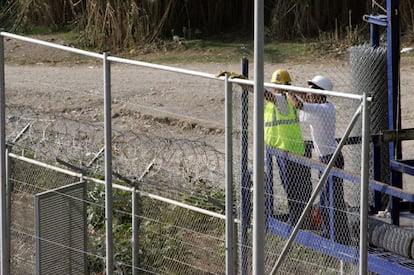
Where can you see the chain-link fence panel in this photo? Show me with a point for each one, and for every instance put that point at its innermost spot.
(294, 164)
(329, 214)
(171, 237)
(168, 151)
(335, 216)
(26, 180)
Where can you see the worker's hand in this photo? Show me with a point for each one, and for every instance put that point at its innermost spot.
(231, 74)
(237, 75)
(221, 73)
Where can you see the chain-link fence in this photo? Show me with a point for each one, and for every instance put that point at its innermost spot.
(67, 234)
(335, 214)
(175, 223)
(173, 155)
(294, 164)
(23, 233)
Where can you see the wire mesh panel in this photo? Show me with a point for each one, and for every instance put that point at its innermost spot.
(180, 241)
(327, 223)
(183, 152)
(26, 181)
(294, 166)
(172, 238)
(60, 216)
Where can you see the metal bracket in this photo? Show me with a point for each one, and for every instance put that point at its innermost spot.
(380, 20)
(396, 135)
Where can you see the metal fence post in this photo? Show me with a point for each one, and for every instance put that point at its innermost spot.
(135, 228)
(258, 142)
(9, 189)
(230, 251)
(245, 177)
(5, 260)
(363, 230)
(394, 107)
(108, 163)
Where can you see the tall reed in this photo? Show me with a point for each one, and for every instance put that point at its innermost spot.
(121, 24)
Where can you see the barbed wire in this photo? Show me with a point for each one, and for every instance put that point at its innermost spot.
(177, 163)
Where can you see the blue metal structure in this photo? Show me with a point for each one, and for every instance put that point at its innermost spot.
(391, 22)
(379, 260)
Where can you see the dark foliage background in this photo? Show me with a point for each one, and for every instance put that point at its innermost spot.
(115, 24)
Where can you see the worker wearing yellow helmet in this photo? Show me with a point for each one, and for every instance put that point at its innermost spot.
(282, 131)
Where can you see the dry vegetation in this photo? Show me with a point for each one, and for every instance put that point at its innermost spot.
(121, 25)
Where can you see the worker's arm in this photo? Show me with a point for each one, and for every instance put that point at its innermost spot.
(269, 96)
(295, 101)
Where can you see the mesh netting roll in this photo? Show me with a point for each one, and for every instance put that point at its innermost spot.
(391, 237)
(369, 74)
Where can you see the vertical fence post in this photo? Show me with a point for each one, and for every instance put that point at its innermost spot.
(245, 177)
(258, 142)
(363, 230)
(376, 149)
(135, 228)
(230, 251)
(5, 259)
(108, 163)
(394, 107)
(9, 188)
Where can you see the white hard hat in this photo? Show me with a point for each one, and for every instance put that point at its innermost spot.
(321, 82)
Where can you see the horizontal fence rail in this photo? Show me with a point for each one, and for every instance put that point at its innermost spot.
(117, 186)
(173, 69)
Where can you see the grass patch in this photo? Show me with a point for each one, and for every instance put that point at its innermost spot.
(189, 51)
(204, 51)
(294, 51)
(70, 37)
(408, 54)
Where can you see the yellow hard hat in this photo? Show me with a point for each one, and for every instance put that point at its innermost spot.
(281, 77)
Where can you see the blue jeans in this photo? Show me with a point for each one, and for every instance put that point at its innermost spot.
(332, 204)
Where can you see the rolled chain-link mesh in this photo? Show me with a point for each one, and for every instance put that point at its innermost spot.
(369, 74)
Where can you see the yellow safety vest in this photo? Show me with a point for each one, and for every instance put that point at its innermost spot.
(283, 131)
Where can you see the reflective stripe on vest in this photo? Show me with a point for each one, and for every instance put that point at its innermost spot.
(276, 122)
(283, 131)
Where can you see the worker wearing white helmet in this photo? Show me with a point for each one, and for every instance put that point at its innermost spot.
(319, 113)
